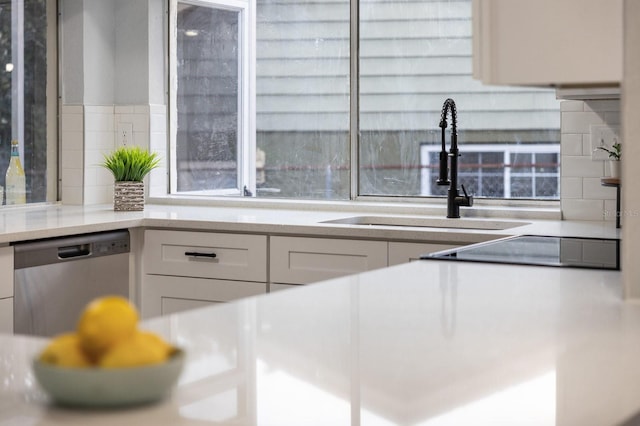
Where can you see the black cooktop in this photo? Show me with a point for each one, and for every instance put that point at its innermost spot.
(595, 253)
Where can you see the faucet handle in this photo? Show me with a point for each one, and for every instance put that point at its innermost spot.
(468, 199)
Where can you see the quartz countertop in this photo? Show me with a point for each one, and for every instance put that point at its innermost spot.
(424, 343)
(34, 222)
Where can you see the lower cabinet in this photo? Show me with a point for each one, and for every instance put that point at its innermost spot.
(165, 295)
(6, 315)
(6, 289)
(302, 260)
(185, 270)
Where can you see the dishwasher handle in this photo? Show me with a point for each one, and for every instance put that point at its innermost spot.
(78, 250)
(73, 248)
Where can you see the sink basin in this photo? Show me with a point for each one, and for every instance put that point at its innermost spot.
(423, 222)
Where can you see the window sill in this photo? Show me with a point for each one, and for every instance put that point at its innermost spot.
(506, 209)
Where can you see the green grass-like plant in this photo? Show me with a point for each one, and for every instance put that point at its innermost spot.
(130, 163)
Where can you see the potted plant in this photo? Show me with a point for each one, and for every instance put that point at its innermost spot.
(614, 158)
(129, 165)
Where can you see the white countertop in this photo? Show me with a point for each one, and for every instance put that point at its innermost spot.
(425, 343)
(33, 222)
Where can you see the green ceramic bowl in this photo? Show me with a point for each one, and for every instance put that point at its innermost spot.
(109, 387)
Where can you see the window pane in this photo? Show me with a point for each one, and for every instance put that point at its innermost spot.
(23, 105)
(207, 65)
(302, 99)
(413, 56)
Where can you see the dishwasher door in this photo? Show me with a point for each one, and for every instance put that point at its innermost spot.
(55, 279)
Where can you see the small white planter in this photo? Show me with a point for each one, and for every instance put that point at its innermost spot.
(128, 196)
(614, 168)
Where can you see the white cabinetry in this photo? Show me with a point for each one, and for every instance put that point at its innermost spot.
(547, 42)
(6, 289)
(407, 252)
(184, 270)
(301, 260)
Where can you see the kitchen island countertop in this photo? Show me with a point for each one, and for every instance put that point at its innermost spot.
(426, 343)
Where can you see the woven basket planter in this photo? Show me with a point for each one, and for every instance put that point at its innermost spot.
(128, 196)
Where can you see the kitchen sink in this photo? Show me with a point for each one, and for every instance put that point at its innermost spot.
(423, 222)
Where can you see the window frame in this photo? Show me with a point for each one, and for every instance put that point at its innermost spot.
(246, 144)
(354, 133)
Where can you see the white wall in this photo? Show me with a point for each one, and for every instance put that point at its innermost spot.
(112, 61)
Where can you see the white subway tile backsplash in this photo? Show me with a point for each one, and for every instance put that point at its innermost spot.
(579, 122)
(593, 189)
(158, 122)
(586, 145)
(72, 123)
(571, 187)
(72, 159)
(610, 210)
(141, 109)
(98, 122)
(72, 140)
(71, 109)
(99, 109)
(140, 122)
(582, 166)
(157, 109)
(582, 195)
(602, 105)
(572, 106)
(72, 195)
(571, 144)
(124, 109)
(72, 177)
(582, 209)
(99, 195)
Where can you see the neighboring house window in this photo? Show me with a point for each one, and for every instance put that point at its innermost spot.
(28, 100)
(412, 56)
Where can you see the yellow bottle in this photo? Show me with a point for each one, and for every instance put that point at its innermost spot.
(15, 181)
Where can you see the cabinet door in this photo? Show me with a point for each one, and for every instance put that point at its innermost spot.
(547, 42)
(407, 252)
(6, 315)
(6, 272)
(298, 260)
(180, 253)
(162, 295)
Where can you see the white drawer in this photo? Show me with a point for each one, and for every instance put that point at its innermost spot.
(238, 256)
(162, 295)
(6, 272)
(298, 260)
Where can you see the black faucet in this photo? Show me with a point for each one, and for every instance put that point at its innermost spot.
(454, 199)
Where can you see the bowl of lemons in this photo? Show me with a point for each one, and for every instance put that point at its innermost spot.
(108, 361)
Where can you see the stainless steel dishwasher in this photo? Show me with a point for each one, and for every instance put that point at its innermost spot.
(55, 278)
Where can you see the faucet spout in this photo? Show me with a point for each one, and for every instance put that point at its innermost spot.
(450, 161)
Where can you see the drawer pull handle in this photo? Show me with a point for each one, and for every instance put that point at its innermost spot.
(198, 254)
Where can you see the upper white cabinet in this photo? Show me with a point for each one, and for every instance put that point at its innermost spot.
(548, 42)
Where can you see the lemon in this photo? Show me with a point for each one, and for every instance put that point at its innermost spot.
(143, 348)
(105, 322)
(64, 350)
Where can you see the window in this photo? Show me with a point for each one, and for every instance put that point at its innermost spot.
(28, 93)
(211, 138)
(322, 133)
